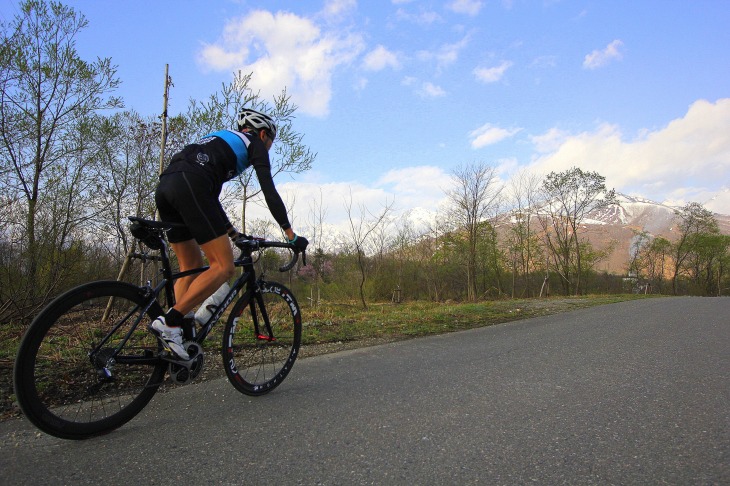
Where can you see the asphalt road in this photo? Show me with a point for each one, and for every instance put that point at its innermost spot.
(629, 393)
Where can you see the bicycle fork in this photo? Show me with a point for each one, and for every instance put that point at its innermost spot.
(258, 302)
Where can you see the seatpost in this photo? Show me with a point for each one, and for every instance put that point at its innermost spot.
(167, 274)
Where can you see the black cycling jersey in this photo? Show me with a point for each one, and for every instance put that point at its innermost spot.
(216, 158)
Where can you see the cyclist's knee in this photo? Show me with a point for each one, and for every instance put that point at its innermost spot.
(229, 271)
(226, 271)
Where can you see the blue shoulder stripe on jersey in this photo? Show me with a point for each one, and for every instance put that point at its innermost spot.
(238, 143)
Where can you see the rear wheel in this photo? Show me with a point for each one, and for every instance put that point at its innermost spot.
(261, 339)
(75, 377)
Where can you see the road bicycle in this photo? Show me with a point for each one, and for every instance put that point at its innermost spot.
(88, 364)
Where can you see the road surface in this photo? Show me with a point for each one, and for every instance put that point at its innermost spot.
(629, 393)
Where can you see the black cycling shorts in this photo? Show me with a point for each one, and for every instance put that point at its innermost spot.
(191, 199)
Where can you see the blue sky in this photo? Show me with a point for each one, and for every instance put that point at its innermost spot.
(394, 94)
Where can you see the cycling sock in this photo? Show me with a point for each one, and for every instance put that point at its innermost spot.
(174, 318)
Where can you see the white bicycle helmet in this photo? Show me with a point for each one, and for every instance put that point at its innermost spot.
(258, 121)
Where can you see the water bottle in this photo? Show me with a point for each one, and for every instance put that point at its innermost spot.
(211, 303)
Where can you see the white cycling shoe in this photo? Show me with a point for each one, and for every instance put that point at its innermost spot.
(170, 337)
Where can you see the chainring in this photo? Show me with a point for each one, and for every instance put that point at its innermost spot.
(183, 372)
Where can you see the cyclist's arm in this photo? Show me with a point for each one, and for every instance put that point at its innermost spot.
(271, 195)
(259, 158)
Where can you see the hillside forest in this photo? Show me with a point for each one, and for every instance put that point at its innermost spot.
(75, 164)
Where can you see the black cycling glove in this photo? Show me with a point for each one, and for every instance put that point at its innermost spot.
(299, 242)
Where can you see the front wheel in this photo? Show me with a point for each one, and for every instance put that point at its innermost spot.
(87, 363)
(261, 339)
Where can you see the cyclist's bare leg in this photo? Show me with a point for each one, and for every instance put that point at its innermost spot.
(189, 256)
(191, 291)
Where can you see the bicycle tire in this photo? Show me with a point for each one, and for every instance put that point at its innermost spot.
(62, 388)
(257, 360)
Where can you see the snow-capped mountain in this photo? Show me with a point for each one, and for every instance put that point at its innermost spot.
(617, 225)
(645, 215)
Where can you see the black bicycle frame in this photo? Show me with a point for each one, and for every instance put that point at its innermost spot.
(247, 278)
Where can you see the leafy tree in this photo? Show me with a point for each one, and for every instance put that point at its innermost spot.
(570, 196)
(47, 96)
(693, 220)
(705, 264)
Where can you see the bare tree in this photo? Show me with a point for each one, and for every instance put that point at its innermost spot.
(474, 198)
(361, 230)
(317, 215)
(289, 153)
(127, 175)
(653, 255)
(524, 246)
(404, 247)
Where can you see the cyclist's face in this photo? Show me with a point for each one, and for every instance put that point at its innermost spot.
(268, 141)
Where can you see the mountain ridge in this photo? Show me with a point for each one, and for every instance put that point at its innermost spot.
(618, 223)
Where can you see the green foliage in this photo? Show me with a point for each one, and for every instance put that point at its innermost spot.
(570, 196)
(696, 227)
(49, 96)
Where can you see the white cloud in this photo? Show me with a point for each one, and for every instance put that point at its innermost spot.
(417, 185)
(488, 134)
(380, 58)
(600, 58)
(284, 50)
(468, 7)
(337, 8)
(430, 90)
(688, 159)
(445, 55)
(424, 17)
(550, 140)
(418, 189)
(423, 89)
(492, 74)
(409, 81)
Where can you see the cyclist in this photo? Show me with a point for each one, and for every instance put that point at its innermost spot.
(188, 193)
